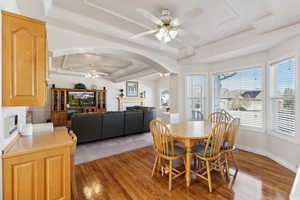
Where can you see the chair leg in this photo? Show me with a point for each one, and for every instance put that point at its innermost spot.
(170, 175)
(221, 170)
(155, 165)
(159, 166)
(208, 176)
(227, 166)
(234, 161)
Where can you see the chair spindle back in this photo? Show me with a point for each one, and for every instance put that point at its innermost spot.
(163, 141)
(217, 117)
(215, 140)
(231, 133)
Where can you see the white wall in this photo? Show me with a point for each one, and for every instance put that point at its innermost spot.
(283, 150)
(41, 114)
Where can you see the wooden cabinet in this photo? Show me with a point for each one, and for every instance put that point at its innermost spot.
(61, 112)
(25, 60)
(39, 167)
(59, 118)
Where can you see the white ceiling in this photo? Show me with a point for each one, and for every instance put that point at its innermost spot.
(115, 64)
(220, 18)
(226, 28)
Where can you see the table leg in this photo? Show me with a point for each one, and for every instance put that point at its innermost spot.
(188, 162)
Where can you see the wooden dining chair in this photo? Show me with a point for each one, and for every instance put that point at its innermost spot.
(165, 149)
(210, 153)
(213, 119)
(217, 117)
(229, 143)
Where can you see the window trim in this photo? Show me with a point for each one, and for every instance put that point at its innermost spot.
(263, 129)
(290, 138)
(206, 93)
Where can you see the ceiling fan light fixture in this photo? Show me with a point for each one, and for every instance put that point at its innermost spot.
(164, 74)
(159, 36)
(165, 35)
(94, 74)
(167, 38)
(173, 34)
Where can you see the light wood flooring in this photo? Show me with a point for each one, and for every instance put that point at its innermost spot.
(128, 176)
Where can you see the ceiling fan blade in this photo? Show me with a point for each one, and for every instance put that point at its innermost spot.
(144, 33)
(150, 16)
(189, 16)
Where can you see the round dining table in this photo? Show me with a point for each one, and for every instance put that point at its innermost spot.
(188, 133)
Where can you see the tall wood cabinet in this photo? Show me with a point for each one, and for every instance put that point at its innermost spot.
(39, 167)
(25, 60)
(61, 112)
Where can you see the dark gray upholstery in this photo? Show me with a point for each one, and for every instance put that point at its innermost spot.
(95, 126)
(178, 150)
(113, 124)
(148, 116)
(89, 124)
(134, 122)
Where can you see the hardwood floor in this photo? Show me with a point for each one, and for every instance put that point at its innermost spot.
(128, 176)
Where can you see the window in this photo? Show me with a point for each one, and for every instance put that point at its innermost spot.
(282, 93)
(240, 93)
(196, 97)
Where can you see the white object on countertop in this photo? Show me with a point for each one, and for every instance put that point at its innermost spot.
(295, 193)
(169, 118)
(26, 129)
(42, 127)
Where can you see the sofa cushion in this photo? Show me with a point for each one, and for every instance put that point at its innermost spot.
(87, 126)
(148, 116)
(113, 124)
(134, 122)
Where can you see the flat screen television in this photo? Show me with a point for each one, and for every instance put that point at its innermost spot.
(81, 98)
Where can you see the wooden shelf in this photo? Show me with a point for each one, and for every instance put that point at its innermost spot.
(86, 90)
(80, 107)
(60, 110)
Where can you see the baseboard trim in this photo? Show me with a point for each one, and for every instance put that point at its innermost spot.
(277, 159)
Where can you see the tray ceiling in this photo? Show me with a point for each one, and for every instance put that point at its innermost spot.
(117, 65)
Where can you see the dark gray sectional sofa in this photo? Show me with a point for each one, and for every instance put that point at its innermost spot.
(97, 126)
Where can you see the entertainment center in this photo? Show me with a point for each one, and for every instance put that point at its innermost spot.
(66, 102)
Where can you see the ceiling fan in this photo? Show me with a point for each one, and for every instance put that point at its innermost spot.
(167, 28)
(95, 74)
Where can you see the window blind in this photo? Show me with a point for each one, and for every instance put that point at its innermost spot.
(195, 97)
(240, 93)
(283, 101)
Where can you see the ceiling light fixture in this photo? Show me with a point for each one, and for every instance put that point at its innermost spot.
(167, 28)
(164, 74)
(165, 35)
(94, 74)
